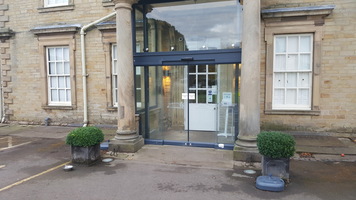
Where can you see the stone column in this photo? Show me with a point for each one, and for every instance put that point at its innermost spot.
(127, 138)
(249, 121)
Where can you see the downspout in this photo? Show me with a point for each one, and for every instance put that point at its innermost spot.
(84, 71)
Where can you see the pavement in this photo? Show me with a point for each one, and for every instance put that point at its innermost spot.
(32, 160)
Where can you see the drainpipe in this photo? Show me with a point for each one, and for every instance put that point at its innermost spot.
(84, 71)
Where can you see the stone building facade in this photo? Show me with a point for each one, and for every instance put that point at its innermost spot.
(32, 31)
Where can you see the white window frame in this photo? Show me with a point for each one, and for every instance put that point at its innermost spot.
(53, 79)
(303, 76)
(114, 75)
(47, 3)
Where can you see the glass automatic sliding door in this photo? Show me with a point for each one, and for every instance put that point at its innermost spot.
(166, 117)
(191, 104)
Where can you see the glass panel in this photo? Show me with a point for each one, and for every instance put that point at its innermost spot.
(280, 62)
(62, 95)
(201, 96)
(192, 69)
(60, 68)
(67, 82)
(227, 110)
(114, 52)
(280, 44)
(304, 80)
(291, 96)
(212, 68)
(305, 44)
(68, 95)
(61, 82)
(54, 82)
(170, 119)
(292, 44)
(54, 95)
(51, 54)
(212, 25)
(139, 30)
(212, 80)
(59, 54)
(167, 120)
(66, 68)
(201, 68)
(201, 81)
(192, 81)
(292, 62)
(291, 79)
(154, 82)
(278, 97)
(66, 54)
(303, 97)
(140, 88)
(52, 68)
(279, 80)
(304, 62)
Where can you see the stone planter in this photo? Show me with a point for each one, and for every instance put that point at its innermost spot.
(85, 155)
(276, 167)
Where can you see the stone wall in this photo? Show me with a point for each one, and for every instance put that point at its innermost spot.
(24, 97)
(337, 76)
(23, 89)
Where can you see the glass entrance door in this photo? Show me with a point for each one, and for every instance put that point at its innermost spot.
(192, 104)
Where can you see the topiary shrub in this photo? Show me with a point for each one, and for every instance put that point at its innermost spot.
(85, 136)
(275, 144)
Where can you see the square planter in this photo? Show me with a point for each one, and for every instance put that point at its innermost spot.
(276, 167)
(85, 155)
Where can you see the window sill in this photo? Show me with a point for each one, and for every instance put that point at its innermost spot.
(293, 112)
(55, 9)
(58, 107)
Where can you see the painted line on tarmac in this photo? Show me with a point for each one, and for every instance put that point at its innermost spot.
(32, 177)
(1, 149)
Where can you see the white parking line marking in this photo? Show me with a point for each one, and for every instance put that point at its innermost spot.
(9, 147)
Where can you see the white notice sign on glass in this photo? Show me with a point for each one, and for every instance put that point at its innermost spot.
(191, 96)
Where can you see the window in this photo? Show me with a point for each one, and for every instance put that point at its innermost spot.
(53, 3)
(58, 76)
(114, 74)
(292, 72)
(56, 47)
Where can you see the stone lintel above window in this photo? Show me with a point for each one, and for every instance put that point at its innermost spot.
(58, 28)
(297, 11)
(317, 13)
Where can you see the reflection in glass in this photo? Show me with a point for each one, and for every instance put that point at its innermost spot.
(194, 25)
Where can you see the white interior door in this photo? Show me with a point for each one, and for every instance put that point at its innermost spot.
(203, 96)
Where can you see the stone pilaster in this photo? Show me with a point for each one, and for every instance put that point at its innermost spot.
(127, 138)
(5, 65)
(249, 121)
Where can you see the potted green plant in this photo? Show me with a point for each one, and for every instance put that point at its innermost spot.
(85, 144)
(276, 149)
